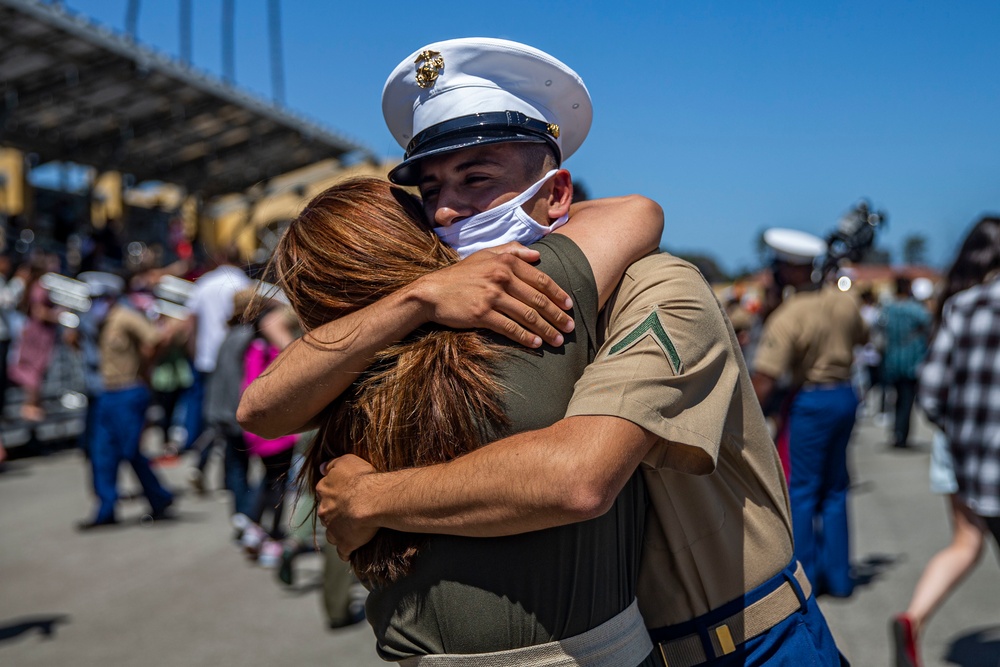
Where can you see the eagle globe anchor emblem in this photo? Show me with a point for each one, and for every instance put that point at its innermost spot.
(430, 65)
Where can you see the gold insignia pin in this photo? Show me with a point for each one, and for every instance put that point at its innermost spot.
(430, 65)
(553, 130)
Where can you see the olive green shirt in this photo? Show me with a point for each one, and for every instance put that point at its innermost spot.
(476, 595)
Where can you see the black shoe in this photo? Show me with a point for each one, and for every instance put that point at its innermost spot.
(85, 526)
(163, 513)
(286, 573)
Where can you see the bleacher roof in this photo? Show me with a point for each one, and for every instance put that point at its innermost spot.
(74, 91)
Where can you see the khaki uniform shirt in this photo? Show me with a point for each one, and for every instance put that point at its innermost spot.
(124, 333)
(670, 363)
(812, 335)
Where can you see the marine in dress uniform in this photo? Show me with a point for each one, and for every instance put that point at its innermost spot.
(718, 584)
(811, 337)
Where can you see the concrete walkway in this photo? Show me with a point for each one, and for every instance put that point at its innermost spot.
(181, 593)
(898, 525)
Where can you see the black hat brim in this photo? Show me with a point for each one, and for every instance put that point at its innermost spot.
(468, 131)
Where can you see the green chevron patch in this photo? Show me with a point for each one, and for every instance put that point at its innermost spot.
(651, 326)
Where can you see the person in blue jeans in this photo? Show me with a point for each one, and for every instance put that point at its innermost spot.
(128, 343)
(820, 425)
(811, 337)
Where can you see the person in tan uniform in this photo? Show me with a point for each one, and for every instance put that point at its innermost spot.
(811, 337)
(128, 344)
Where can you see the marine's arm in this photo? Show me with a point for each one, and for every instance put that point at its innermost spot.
(632, 403)
(763, 387)
(774, 354)
(492, 289)
(565, 473)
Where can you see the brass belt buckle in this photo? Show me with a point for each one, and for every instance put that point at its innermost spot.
(725, 638)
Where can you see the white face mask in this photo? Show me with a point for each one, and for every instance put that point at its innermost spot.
(503, 223)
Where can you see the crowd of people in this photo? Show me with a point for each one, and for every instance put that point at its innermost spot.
(171, 364)
(906, 344)
(528, 441)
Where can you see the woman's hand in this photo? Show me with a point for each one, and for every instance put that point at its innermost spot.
(497, 289)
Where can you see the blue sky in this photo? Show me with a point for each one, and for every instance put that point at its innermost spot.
(735, 116)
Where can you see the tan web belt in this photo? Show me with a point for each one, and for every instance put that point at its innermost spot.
(621, 641)
(753, 621)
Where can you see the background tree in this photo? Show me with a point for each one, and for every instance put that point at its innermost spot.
(877, 256)
(915, 249)
(763, 253)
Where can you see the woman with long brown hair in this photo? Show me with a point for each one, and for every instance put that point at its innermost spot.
(976, 263)
(435, 395)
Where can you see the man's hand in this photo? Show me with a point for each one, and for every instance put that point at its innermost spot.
(336, 490)
(497, 289)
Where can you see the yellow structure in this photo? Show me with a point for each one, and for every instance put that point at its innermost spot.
(12, 182)
(245, 219)
(108, 202)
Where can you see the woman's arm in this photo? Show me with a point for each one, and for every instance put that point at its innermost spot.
(612, 233)
(492, 289)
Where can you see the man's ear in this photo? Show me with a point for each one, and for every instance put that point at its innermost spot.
(561, 195)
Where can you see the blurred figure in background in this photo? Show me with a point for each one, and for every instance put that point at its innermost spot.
(171, 377)
(812, 335)
(211, 306)
(129, 343)
(869, 355)
(37, 339)
(962, 367)
(274, 330)
(105, 289)
(11, 293)
(906, 323)
(742, 322)
(222, 398)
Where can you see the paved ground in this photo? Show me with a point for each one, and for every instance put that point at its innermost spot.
(180, 593)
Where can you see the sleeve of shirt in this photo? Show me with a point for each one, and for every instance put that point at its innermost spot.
(143, 330)
(563, 261)
(194, 298)
(777, 345)
(935, 376)
(667, 363)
